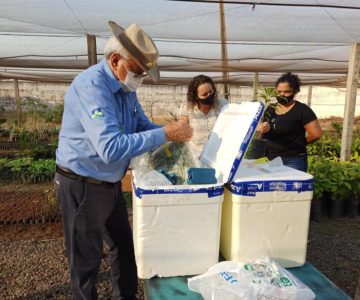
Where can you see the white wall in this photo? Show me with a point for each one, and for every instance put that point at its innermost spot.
(327, 101)
(52, 93)
(162, 100)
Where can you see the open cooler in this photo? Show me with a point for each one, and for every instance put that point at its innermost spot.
(176, 228)
(266, 213)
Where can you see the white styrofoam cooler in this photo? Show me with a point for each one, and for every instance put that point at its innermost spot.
(178, 233)
(176, 229)
(266, 213)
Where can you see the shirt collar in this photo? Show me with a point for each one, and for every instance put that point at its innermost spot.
(111, 79)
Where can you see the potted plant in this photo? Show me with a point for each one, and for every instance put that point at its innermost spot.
(257, 147)
(315, 209)
(319, 168)
(340, 189)
(352, 175)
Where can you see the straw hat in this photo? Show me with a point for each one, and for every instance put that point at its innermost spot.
(140, 46)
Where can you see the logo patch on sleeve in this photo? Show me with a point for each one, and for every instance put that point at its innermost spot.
(96, 113)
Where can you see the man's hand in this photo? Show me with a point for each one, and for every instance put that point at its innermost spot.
(263, 127)
(184, 118)
(178, 131)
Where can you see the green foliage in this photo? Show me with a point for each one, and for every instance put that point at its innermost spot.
(39, 129)
(37, 143)
(267, 95)
(3, 162)
(36, 110)
(55, 115)
(37, 133)
(319, 169)
(43, 151)
(51, 208)
(19, 164)
(128, 199)
(33, 136)
(340, 179)
(33, 108)
(41, 170)
(330, 147)
(26, 170)
(337, 127)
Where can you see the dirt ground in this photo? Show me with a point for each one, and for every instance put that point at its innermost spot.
(33, 264)
(25, 203)
(32, 251)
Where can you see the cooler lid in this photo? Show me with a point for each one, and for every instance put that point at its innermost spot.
(230, 138)
(252, 178)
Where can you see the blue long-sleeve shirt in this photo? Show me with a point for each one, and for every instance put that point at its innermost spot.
(103, 126)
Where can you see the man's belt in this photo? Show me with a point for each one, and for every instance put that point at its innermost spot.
(70, 174)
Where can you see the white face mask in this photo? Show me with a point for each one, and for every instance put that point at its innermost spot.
(132, 81)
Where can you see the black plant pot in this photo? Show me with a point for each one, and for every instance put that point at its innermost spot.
(315, 211)
(258, 149)
(351, 206)
(335, 209)
(325, 203)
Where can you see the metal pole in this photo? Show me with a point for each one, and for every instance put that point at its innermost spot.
(309, 97)
(91, 46)
(224, 57)
(255, 85)
(17, 101)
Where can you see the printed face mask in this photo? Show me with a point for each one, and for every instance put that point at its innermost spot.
(209, 100)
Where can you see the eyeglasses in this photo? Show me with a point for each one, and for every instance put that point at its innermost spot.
(137, 74)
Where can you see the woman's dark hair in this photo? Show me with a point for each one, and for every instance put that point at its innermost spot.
(292, 79)
(192, 97)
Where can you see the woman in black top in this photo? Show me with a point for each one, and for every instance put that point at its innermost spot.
(290, 126)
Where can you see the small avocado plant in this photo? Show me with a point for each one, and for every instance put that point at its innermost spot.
(267, 95)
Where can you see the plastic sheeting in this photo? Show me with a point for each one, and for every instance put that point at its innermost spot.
(46, 39)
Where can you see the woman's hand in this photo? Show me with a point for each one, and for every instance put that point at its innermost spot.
(263, 127)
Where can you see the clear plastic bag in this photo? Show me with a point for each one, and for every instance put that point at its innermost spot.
(262, 279)
(174, 159)
(153, 178)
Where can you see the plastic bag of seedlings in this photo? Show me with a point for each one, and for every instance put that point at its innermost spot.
(173, 160)
(261, 279)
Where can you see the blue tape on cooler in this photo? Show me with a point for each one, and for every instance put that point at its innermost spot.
(250, 188)
(244, 145)
(211, 191)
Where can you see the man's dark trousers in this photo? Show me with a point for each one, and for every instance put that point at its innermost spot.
(92, 213)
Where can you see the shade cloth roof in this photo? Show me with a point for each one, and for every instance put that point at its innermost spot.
(46, 39)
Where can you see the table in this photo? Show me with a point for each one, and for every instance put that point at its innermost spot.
(175, 288)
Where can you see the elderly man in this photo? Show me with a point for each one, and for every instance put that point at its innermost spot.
(103, 127)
